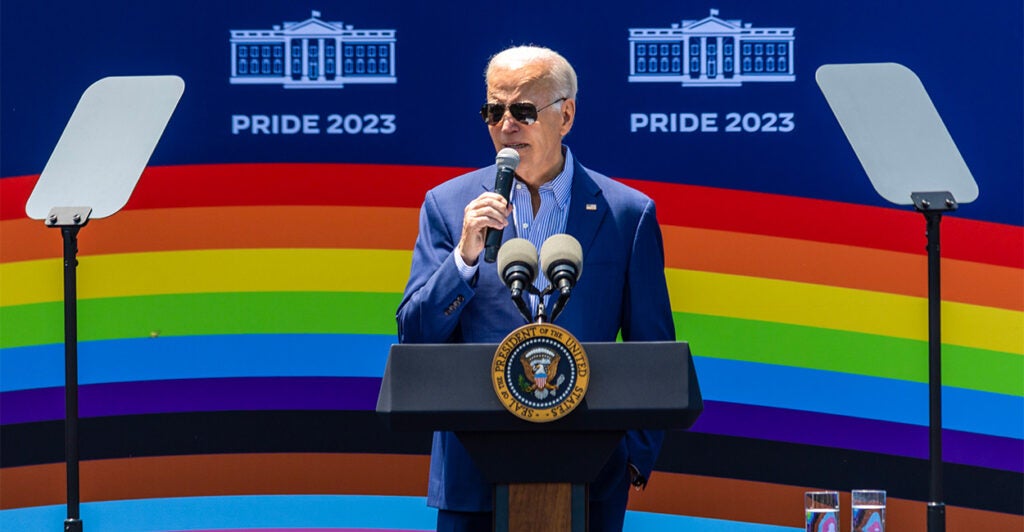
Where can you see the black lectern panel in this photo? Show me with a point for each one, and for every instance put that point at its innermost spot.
(633, 385)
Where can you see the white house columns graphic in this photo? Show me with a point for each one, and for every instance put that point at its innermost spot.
(711, 52)
(313, 54)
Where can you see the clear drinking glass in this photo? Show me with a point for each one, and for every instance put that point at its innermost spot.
(821, 511)
(868, 511)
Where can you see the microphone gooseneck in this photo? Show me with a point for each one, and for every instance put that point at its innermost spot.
(507, 162)
(517, 267)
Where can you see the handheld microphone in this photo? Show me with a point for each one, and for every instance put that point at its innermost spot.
(517, 267)
(507, 161)
(562, 258)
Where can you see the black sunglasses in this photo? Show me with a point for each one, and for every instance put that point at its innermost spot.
(523, 112)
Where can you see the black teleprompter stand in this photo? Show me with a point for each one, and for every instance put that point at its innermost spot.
(70, 221)
(932, 205)
(906, 150)
(97, 162)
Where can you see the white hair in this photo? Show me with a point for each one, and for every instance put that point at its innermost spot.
(559, 74)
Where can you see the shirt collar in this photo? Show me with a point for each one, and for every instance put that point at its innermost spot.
(561, 185)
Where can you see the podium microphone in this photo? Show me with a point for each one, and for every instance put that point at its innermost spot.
(517, 266)
(562, 258)
(507, 161)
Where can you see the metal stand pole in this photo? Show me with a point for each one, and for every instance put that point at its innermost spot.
(70, 233)
(932, 205)
(70, 221)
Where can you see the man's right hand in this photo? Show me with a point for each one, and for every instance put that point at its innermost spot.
(487, 210)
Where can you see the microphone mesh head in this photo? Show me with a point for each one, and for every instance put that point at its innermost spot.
(518, 250)
(507, 157)
(562, 248)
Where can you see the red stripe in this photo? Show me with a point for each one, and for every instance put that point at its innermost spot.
(262, 184)
(287, 184)
(830, 221)
(14, 193)
(682, 205)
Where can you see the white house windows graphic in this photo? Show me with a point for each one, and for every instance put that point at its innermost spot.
(711, 52)
(313, 54)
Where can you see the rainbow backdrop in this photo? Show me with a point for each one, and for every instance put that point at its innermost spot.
(272, 287)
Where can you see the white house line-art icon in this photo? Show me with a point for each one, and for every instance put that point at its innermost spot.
(711, 52)
(312, 54)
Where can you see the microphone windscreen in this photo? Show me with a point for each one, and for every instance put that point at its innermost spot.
(518, 250)
(561, 248)
(507, 158)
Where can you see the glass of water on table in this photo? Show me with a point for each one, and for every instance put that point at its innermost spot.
(868, 511)
(821, 511)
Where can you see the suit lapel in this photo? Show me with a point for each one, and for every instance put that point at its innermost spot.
(587, 208)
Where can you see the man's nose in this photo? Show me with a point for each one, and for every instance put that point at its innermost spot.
(509, 123)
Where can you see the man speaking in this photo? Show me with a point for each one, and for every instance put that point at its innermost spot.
(454, 295)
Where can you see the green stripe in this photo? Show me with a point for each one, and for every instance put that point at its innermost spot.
(202, 314)
(373, 313)
(848, 352)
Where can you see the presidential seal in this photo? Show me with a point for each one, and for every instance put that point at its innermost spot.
(540, 372)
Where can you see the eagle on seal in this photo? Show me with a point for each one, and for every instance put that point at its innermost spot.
(538, 374)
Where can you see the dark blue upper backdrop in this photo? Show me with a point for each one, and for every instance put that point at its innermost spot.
(967, 54)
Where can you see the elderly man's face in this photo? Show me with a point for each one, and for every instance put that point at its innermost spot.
(539, 144)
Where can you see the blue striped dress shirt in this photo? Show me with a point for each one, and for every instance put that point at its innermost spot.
(550, 218)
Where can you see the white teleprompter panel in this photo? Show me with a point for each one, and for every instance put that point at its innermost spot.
(895, 131)
(106, 145)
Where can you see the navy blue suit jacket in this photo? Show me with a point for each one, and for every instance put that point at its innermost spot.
(622, 288)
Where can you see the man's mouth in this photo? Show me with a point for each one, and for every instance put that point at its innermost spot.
(517, 146)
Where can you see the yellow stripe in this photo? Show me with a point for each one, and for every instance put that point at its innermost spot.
(845, 309)
(240, 270)
(363, 270)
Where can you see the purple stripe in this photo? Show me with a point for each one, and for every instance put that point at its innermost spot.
(845, 432)
(194, 395)
(360, 393)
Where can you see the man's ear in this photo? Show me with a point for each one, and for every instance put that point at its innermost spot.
(568, 115)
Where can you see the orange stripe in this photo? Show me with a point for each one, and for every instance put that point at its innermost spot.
(220, 228)
(395, 228)
(406, 475)
(220, 474)
(840, 265)
(254, 184)
(782, 505)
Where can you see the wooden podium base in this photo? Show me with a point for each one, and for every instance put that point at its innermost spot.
(540, 507)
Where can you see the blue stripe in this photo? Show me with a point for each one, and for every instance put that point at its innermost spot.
(262, 511)
(345, 355)
(301, 511)
(645, 521)
(199, 357)
(860, 396)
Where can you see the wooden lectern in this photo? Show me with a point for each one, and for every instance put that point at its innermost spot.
(634, 385)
